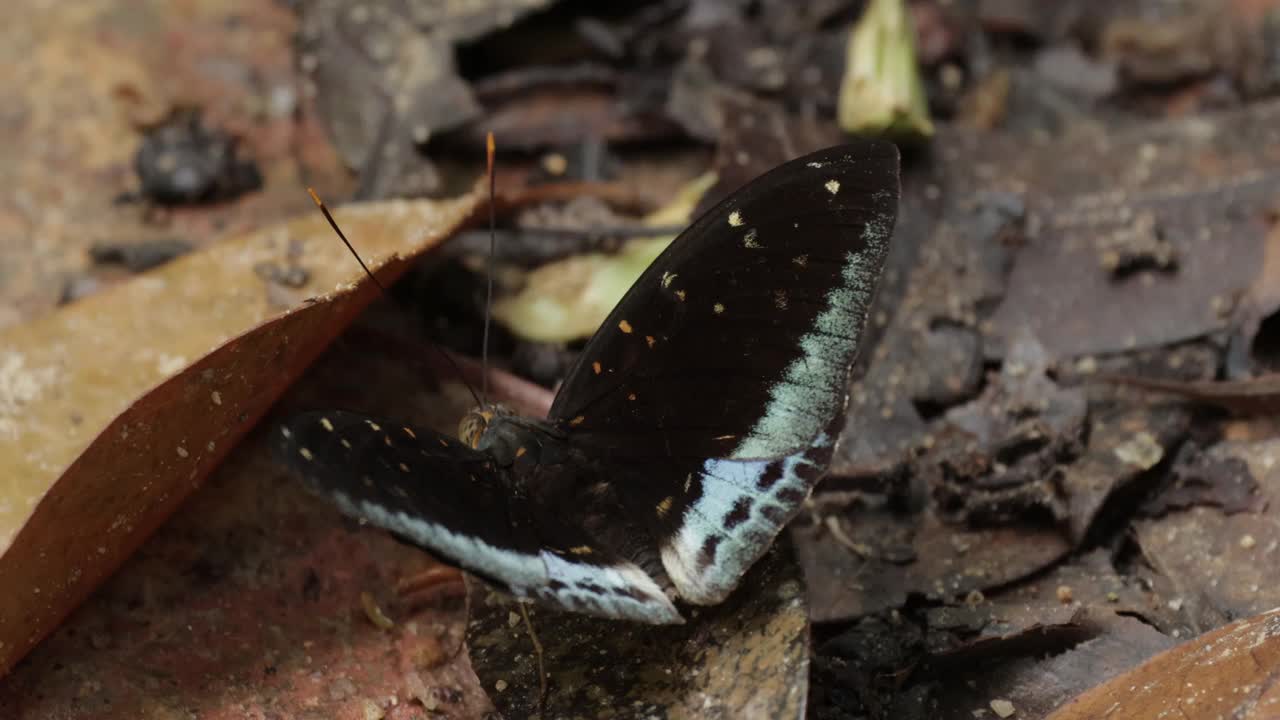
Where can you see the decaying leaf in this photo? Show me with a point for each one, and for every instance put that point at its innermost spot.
(115, 408)
(869, 556)
(386, 80)
(1197, 477)
(247, 602)
(1034, 684)
(86, 79)
(874, 557)
(1212, 566)
(882, 91)
(745, 658)
(568, 299)
(1125, 443)
(1198, 186)
(1232, 672)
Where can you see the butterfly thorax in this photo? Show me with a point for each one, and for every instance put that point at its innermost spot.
(498, 431)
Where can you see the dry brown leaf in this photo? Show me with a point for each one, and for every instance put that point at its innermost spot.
(1213, 566)
(250, 601)
(115, 408)
(1233, 672)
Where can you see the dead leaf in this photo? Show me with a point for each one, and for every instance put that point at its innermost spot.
(568, 299)
(745, 658)
(1212, 566)
(886, 553)
(560, 116)
(1198, 478)
(894, 555)
(998, 458)
(118, 406)
(1200, 181)
(1038, 682)
(386, 81)
(1124, 444)
(85, 79)
(983, 625)
(1232, 672)
(248, 600)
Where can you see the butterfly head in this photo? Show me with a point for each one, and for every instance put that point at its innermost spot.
(474, 424)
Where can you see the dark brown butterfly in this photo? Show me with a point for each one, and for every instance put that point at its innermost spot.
(696, 422)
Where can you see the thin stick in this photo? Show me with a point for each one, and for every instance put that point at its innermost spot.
(537, 651)
(488, 298)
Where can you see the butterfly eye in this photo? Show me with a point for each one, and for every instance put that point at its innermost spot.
(472, 427)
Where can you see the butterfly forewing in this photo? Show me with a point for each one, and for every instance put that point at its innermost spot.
(736, 341)
(722, 373)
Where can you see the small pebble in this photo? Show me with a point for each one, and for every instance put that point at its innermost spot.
(1247, 542)
(1064, 594)
(1003, 708)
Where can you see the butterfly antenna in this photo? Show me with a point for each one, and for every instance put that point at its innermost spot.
(488, 297)
(341, 235)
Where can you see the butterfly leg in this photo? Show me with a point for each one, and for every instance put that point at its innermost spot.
(436, 582)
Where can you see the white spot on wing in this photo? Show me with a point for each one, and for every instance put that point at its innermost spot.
(513, 568)
(530, 576)
(833, 186)
(735, 219)
(724, 482)
(621, 591)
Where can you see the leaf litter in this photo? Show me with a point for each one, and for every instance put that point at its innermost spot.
(157, 398)
(985, 541)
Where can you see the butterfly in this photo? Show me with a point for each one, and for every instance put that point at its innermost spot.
(691, 429)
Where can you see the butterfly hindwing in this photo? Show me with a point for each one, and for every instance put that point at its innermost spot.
(441, 495)
(725, 366)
